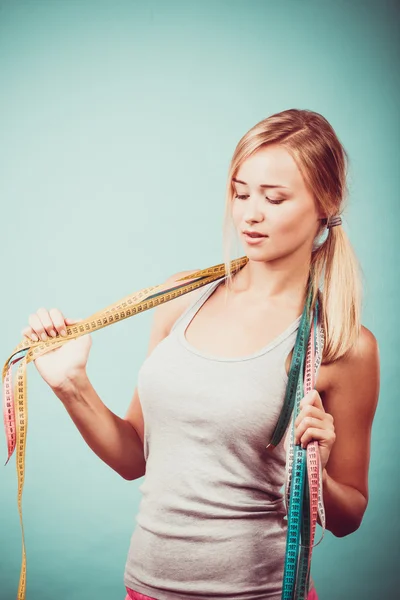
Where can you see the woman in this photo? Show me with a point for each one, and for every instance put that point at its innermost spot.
(211, 522)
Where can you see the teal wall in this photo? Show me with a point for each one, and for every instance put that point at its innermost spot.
(118, 120)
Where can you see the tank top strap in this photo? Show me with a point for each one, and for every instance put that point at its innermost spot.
(277, 349)
(199, 297)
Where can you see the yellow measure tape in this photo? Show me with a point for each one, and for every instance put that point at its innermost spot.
(15, 405)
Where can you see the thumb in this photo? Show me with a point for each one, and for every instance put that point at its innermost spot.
(72, 321)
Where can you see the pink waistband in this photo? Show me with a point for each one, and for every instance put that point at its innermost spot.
(132, 595)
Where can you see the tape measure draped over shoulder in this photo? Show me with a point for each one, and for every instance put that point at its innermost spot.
(303, 495)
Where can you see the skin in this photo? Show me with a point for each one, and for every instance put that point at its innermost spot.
(268, 295)
(339, 412)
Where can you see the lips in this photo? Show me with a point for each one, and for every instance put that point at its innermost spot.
(254, 234)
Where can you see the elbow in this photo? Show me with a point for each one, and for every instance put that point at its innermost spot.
(347, 530)
(132, 474)
(347, 526)
(133, 477)
(127, 476)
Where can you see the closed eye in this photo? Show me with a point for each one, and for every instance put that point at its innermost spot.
(244, 196)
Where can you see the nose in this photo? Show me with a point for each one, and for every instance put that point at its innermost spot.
(254, 209)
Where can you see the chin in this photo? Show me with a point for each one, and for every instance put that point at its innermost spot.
(256, 253)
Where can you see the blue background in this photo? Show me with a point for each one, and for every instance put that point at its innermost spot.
(118, 121)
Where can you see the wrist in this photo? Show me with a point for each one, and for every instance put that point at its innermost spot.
(73, 381)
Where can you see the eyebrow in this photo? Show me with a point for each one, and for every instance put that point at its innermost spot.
(263, 185)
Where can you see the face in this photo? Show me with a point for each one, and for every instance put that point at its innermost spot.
(284, 209)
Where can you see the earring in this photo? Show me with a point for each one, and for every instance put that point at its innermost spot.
(321, 239)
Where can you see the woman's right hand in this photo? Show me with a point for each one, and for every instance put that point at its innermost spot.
(62, 364)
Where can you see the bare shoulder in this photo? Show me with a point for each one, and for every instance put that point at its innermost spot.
(167, 313)
(362, 360)
(355, 378)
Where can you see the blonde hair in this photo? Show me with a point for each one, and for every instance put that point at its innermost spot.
(335, 272)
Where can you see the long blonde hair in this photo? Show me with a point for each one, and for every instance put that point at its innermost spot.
(335, 272)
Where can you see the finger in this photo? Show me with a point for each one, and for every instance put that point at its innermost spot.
(306, 423)
(72, 321)
(309, 411)
(37, 326)
(313, 398)
(58, 320)
(48, 324)
(314, 433)
(27, 332)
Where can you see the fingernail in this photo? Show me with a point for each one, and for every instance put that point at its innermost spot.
(53, 333)
(44, 337)
(34, 337)
(63, 332)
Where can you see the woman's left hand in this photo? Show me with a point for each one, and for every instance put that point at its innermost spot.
(313, 423)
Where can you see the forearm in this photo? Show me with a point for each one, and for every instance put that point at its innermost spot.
(344, 506)
(113, 439)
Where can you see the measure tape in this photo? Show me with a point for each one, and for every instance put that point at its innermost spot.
(303, 497)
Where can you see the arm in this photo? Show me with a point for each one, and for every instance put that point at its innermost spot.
(118, 441)
(113, 439)
(351, 399)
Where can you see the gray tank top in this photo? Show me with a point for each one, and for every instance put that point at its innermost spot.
(211, 522)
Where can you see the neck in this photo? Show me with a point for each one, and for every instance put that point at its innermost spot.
(283, 280)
